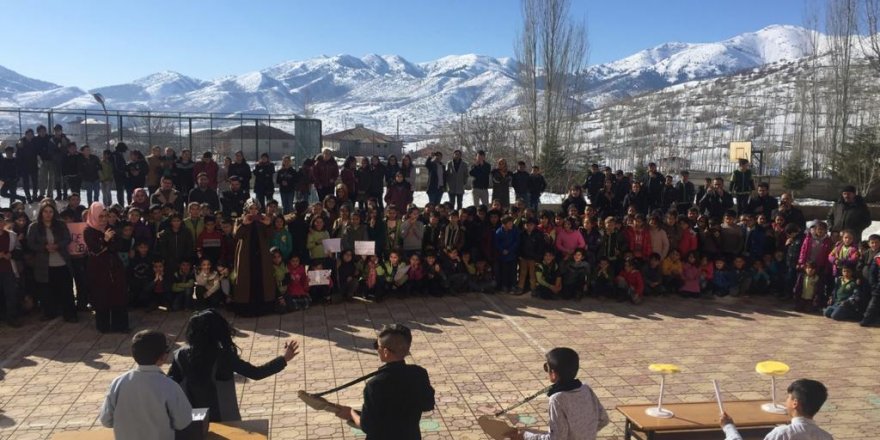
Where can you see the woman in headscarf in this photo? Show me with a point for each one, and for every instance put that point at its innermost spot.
(105, 272)
(254, 289)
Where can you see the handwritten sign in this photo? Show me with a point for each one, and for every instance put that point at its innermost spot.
(77, 244)
(365, 248)
(332, 245)
(319, 278)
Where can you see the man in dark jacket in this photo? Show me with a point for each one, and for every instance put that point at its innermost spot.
(233, 200)
(9, 175)
(396, 397)
(532, 244)
(594, 183)
(789, 212)
(325, 172)
(762, 203)
(203, 193)
(58, 151)
(44, 146)
(89, 173)
(70, 170)
(480, 171)
(652, 186)
(120, 174)
(436, 177)
(520, 182)
(28, 169)
(685, 190)
(849, 212)
(537, 185)
(669, 196)
(717, 200)
(742, 184)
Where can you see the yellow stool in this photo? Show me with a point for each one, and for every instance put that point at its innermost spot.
(772, 369)
(663, 369)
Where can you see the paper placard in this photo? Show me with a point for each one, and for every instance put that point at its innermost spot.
(365, 248)
(319, 278)
(77, 244)
(332, 245)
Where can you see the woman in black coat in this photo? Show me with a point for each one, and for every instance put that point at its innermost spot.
(205, 367)
(105, 272)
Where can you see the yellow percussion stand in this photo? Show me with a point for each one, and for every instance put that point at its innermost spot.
(663, 369)
(772, 369)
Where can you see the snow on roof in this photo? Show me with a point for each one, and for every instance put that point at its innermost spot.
(360, 134)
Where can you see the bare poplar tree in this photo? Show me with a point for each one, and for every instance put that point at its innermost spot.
(551, 50)
(871, 42)
(841, 25)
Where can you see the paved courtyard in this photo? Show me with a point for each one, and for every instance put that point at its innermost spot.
(482, 352)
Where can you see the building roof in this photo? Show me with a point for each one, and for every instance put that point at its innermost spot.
(360, 134)
(249, 132)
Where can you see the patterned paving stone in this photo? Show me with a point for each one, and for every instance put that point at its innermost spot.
(483, 353)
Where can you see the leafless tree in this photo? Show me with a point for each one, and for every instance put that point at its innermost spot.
(551, 50)
(871, 42)
(842, 26)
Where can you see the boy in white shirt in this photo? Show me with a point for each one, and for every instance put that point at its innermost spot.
(144, 403)
(805, 398)
(575, 411)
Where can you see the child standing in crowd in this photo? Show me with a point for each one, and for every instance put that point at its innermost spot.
(809, 289)
(297, 295)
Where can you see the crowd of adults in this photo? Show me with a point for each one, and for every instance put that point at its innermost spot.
(187, 234)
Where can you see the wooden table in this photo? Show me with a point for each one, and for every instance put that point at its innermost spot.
(243, 430)
(696, 420)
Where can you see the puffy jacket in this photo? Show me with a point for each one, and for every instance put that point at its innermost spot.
(634, 280)
(822, 264)
(507, 241)
(840, 256)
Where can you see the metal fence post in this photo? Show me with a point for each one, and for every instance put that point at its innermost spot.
(190, 134)
(85, 122)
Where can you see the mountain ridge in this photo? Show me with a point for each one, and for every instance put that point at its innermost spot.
(380, 90)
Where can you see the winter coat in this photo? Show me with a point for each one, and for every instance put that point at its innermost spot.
(174, 247)
(436, 174)
(659, 241)
(568, 241)
(263, 183)
(8, 170)
(457, 176)
(36, 241)
(286, 179)
(520, 182)
(413, 235)
(685, 193)
(714, 204)
(501, 186)
(638, 241)
(532, 246)
(325, 172)
(399, 195)
(348, 177)
(104, 271)
(840, 256)
(690, 276)
(90, 168)
(822, 265)
(26, 154)
(537, 185)
(154, 170)
(741, 182)
(640, 200)
(507, 241)
(480, 173)
(634, 280)
(243, 171)
(578, 202)
(207, 195)
(855, 216)
(211, 169)
(687, 243)
(762, 205)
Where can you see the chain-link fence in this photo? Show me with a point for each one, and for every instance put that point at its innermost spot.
(224, 134)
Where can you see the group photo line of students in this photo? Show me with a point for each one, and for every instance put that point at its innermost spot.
(195, 235)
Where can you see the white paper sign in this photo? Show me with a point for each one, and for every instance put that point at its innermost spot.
(365, 248)
(319, 278)
(77, 244)
(332, 245)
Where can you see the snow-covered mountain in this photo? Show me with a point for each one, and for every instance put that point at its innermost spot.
(382, 90)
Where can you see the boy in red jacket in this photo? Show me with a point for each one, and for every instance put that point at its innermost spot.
(630, 281)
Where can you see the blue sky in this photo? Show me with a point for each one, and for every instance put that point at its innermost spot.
(99, 42)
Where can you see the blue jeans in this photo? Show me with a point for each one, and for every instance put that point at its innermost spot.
(287, 202)
(93, 191)
(534, 200)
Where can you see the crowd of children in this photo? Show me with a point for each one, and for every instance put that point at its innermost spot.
(617, 236)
